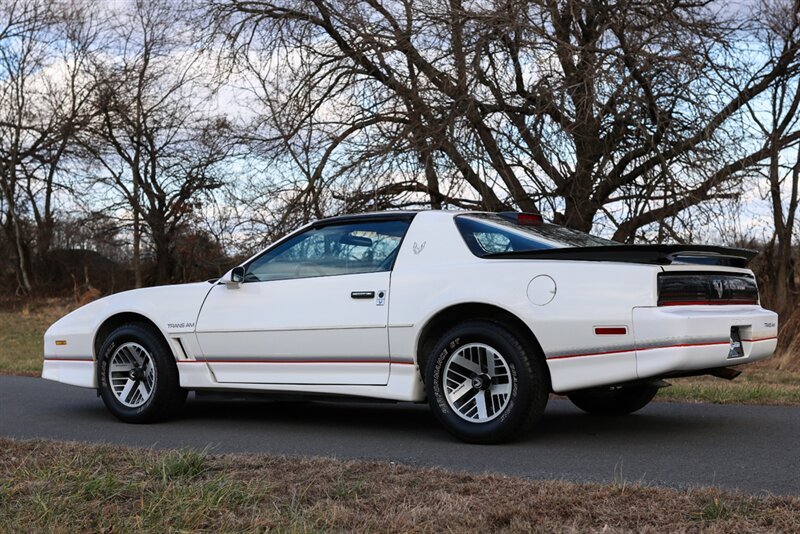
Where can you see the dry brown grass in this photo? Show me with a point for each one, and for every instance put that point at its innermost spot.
(68, 487)
(788, 358)
(759, 383)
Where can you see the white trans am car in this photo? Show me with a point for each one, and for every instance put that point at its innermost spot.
(481, 314)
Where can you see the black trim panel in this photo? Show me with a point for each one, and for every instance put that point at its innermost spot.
(648, 254)
(407, 216)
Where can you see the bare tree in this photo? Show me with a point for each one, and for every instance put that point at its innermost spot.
(43, 101)
(778, 119)
(157, 143)
(580, 107)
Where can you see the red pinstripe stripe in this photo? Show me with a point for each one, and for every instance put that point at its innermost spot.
(641, 348)
(247, 361)
(662, 347)
(623, 351)
(295, 361)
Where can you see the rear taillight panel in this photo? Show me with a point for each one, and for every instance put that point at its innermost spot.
(693, 288)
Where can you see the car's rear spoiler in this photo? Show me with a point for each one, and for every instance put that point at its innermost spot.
(651, 254)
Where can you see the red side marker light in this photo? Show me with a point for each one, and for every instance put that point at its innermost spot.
(529, 219)
(610, 330)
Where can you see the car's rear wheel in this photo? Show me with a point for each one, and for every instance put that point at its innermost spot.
(616, 400)
(137, 375)
(484, 383)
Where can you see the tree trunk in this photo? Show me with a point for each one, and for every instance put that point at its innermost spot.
(785, 289)
(44, 240)
(137, 237)
(164, 259)
(22, 264)
(431, 178)
(579, 211)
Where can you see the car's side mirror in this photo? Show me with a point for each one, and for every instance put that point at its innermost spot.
(237, 277)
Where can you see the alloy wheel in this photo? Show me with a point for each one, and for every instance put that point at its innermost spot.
(477, 381)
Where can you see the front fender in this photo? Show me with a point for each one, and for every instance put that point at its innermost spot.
(172, 309)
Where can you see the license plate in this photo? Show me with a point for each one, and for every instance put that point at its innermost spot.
(735, 350)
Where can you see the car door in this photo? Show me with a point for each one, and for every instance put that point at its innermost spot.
(311, 310)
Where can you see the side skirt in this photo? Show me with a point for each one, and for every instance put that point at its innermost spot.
(404, 384)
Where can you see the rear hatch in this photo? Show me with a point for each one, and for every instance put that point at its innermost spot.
(512, 235)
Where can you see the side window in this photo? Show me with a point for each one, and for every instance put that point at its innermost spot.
(483, 238)
(331, 250)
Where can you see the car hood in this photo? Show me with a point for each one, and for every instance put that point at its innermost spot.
(176, 305)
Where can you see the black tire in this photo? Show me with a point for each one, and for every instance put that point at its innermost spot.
(619, 400)
(527, 375)
(166, 398)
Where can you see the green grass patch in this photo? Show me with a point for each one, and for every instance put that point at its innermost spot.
(69, 487)
(723, 507)
(21, 336)
(180, 465)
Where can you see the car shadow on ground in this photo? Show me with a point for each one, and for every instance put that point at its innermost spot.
(561, 421)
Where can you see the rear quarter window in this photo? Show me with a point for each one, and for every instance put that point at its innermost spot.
(489, 233)
(483, 238)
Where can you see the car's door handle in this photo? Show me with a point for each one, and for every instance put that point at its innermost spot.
(362, 295)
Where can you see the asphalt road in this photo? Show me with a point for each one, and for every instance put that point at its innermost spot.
(751, 448)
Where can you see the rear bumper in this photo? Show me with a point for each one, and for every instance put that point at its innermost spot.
(688, 338)
(668, 340)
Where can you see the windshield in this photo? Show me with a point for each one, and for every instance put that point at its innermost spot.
(490, 233)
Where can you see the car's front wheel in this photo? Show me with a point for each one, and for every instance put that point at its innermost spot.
(137, 375)
(484, 383)
(615, 400)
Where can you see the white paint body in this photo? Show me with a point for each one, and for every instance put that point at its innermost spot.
(308, 336)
